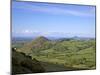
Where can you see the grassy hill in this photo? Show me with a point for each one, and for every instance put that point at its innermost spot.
(71, 53)
(36, 45)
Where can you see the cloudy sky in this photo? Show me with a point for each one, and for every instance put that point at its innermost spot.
(35, 19)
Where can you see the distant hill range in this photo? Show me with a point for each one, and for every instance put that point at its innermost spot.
(43, 43)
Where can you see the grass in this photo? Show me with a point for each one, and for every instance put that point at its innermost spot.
(79, 54)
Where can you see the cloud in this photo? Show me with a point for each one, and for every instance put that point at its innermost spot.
(51, 9)
(27, 31)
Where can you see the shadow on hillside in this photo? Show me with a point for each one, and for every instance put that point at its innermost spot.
(22, 64)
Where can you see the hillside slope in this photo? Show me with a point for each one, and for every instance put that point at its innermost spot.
(22, 64)
(36, 45)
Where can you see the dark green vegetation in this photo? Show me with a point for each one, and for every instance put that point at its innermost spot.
(22, 64)
(61, 55)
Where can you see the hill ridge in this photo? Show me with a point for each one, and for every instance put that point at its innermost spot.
(38, 43)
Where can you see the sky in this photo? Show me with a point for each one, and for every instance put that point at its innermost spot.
(31, 19)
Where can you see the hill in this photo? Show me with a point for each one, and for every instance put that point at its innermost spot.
(71, 53)
(40, 43)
